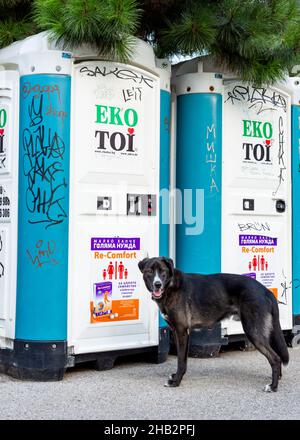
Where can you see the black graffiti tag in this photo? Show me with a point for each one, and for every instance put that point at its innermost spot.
(255, 226)
(257, 97)
(43, 166)
(2, 162)
(280, 156)
(123, 74)
(286, 286)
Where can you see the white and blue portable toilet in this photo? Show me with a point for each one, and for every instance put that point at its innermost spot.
(165, 187)
(199, 167)
(80, 177)
(294, 83)
(234, 142)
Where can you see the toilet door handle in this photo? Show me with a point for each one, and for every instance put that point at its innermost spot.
(280, 206)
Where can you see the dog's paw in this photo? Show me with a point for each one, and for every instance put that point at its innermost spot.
(172, 376)
(173, 381)
(171, 384)
(268, 389)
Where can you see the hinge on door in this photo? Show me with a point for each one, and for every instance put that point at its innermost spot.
(70, 357)
(223, 332)
(70, 350)
(70, 361)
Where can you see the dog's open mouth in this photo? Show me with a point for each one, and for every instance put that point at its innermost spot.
(157, 294)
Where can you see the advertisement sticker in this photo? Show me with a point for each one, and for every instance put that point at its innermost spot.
(3, 138)
(260, 258)
(117, 107)
(114, 284)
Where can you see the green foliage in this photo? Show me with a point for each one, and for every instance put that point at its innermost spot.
(259, 40)
(193, 31)
(108, 25)
(10, 30)
(11, 3)
(15, 22)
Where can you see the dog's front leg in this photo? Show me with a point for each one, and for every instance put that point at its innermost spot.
(182, 343)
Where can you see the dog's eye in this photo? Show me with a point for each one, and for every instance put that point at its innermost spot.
(149, 271)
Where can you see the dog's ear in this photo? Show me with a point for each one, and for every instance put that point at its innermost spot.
(142, 264)
(170, 264)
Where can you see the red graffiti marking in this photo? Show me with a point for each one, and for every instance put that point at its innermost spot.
(43, 253)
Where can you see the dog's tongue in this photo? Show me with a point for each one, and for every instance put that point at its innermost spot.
(157, 293)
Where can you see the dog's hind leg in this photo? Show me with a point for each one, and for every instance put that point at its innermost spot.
(261, 340)
(280, 371)
(274, 361)
(275, 349)
(277, 341)
(182, 344)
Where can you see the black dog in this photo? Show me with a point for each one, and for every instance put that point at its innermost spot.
(191, 300)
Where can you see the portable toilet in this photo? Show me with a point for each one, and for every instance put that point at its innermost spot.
(294, 83)
(79, 206)
(234, 142)
(165, 168)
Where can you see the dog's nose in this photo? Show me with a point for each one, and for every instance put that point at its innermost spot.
(157, 284)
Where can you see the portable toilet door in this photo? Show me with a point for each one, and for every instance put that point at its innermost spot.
(256, 200)
(114, 205)
(294, 83)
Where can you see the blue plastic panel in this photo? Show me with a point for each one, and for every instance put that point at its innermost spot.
(296, 207)
(43, 207)
(165, 109)
(199, 166)
(165, 116)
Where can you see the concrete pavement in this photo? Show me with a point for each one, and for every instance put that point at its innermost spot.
(228, 387)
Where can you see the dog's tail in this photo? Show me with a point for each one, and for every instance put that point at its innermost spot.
(277, 339)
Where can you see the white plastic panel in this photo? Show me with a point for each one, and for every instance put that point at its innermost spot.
(256, 236)
(4, 240)
(9, 141)
(114, 152)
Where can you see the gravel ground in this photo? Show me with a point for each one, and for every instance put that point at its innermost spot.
(227, 387)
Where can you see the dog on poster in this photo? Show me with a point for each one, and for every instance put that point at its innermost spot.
(189, 301)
